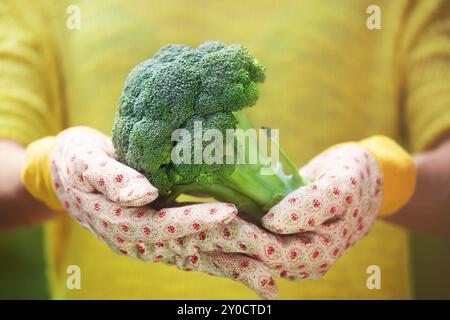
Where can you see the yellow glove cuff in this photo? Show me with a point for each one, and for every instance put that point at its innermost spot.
(398, 169)
(36, 176)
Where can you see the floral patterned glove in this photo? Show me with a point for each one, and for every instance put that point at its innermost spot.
(352, 184)
(337, 209)
(319, 222)
(107, 198)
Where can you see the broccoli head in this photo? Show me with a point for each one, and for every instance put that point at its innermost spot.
(173, 90)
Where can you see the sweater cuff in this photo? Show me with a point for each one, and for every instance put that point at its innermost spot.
(398, 169)
(36, 175)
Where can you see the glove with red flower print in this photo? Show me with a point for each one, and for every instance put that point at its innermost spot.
(337, 209)
(108, 199)
(318, 222)
(352, 184)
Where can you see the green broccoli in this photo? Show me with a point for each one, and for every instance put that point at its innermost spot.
(178, 86)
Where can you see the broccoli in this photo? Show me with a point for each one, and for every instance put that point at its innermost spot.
(179, 85)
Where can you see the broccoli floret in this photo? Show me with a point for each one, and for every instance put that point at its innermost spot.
(178, 86)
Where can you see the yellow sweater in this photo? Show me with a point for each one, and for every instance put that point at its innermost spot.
(329, 80)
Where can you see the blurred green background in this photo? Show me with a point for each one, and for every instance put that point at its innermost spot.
(22, 272)
(22, 265)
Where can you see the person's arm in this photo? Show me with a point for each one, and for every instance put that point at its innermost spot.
(18, 207)
(424, 71)
(429, 208)
(31, 104)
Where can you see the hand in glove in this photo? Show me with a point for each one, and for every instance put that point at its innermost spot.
(109, 198)
(352, 184)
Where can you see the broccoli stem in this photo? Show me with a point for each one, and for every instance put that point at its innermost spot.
(264, 190)
(221, 193)
(251, 192)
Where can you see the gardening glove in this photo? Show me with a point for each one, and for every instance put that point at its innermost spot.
(352, 184)
(108, 199)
